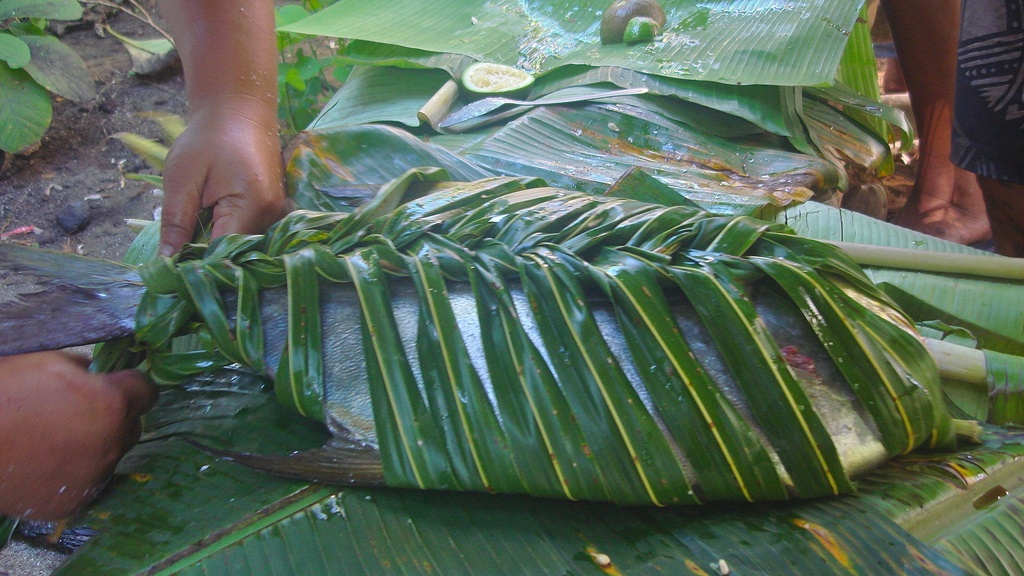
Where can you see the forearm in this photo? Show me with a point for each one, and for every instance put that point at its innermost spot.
(228, 52)
(229, 157)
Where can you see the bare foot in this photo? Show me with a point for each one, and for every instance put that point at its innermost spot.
(1005, 201)
(957, 215)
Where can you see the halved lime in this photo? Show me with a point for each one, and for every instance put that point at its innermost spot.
(494, 79)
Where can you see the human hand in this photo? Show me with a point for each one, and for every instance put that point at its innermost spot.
(63, 430)
(229, 158)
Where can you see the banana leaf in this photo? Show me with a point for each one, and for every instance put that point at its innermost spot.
(857, 71)
(366, 53)
(758, 103)
(744, 111)
(369, 95)
(783, 43)
(175, 509)
(995, 319)
(375, 155)
(760, 146)
(589, 148)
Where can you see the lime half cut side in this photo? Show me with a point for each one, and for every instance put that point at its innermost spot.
(491, 79)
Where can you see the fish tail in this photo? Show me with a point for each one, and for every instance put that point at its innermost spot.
(63, 300)
(336, 462)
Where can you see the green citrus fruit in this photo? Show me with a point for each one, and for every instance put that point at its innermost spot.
(641, 29)
(491, 79)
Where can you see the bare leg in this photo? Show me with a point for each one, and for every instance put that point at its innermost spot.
(946, 200)
(1005, 202)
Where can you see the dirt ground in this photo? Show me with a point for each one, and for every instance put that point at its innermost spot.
(78, 167)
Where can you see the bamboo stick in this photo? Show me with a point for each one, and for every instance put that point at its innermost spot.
(958, 362)
(436, 109)
(928, 261)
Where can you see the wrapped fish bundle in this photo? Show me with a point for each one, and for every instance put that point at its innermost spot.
(506, 337)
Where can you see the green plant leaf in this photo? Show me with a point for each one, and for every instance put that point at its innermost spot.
(362, 52)
(46, 9)
(217, 408)
(759, 104)
(267, 526)
(289, 14)
(151, 151)
(14, 51)
(153, 179)
(700, 40)
(25, 110)
(7, 526)
(434, 534)
(859, 70)
(153, 46)
(59, 69)
(171, 125)
(990, 544)
(376, 154)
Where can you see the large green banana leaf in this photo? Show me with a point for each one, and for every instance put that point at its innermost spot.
(738, 42)
(175, 509)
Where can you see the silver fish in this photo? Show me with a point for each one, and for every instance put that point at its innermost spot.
(610, 430)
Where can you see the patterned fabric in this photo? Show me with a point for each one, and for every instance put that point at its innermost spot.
(988, 124)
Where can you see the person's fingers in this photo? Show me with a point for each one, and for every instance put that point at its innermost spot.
(139, 394)
(82, 361)
(182, 200)
(238, 215)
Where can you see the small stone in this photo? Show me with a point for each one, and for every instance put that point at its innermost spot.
(135, 165)
(73, 217)
(44, 238)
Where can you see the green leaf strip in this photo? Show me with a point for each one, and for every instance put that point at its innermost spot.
(803, 445)
(551, 452)
(692, 407)
(299, 382)
(833, 317)
(448, 378)
(599, 391)
(210, 306)
(412, 448)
